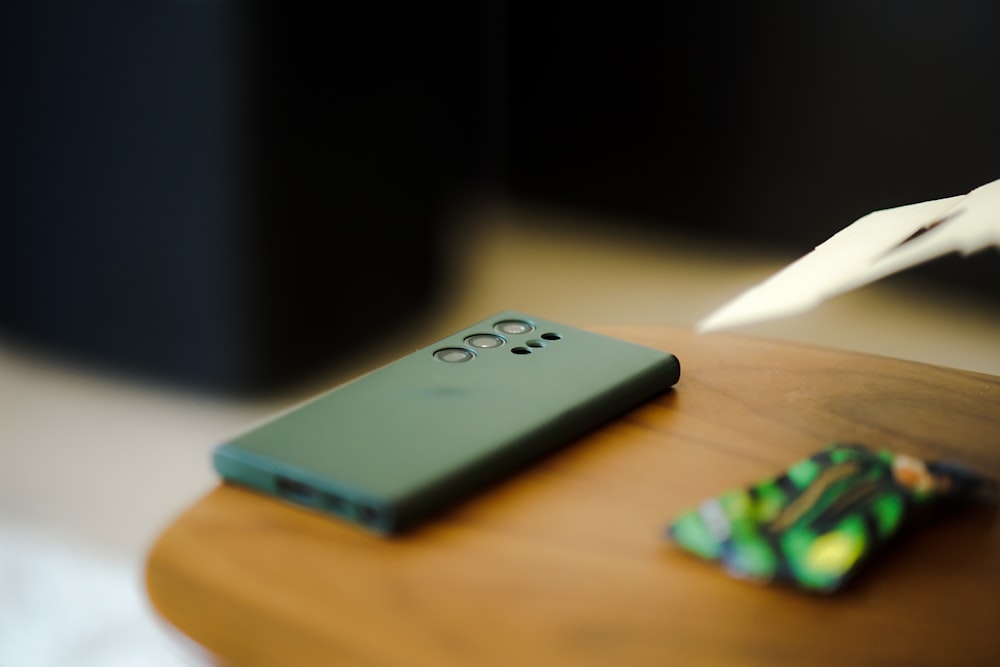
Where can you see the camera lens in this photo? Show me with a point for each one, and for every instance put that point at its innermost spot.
(485, 341)
(514, 327)
(454, 355)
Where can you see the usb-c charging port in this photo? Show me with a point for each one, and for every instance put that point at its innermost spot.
(303, 494)
(296, 491)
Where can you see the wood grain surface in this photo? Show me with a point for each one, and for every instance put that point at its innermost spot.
(566, 563)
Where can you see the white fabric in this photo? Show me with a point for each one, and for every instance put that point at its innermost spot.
(64, 606)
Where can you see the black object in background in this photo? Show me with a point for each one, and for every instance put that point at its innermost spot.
(778, 123)
(228, 195)
(237, 194)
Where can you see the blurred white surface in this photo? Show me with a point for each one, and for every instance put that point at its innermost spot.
(92, 468)
(64, 604)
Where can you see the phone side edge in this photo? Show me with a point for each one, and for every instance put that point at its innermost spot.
(264, 475)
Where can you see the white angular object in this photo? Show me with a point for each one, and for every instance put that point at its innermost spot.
(874, 246)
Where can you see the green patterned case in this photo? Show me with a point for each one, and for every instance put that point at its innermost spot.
(411, 438)
(818, 523)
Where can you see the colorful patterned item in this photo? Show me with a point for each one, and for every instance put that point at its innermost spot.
(816, 524)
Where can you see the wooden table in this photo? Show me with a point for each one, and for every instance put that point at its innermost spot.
(566, 563)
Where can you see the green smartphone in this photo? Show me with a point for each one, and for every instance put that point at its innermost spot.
(399, 444)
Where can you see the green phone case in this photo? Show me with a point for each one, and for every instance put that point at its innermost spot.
(393, 447)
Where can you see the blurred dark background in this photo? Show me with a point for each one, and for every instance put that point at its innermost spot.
(234, 195)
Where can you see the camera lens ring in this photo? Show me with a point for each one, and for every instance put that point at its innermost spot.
(485, 341)
(454, 355)
(514, 327)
